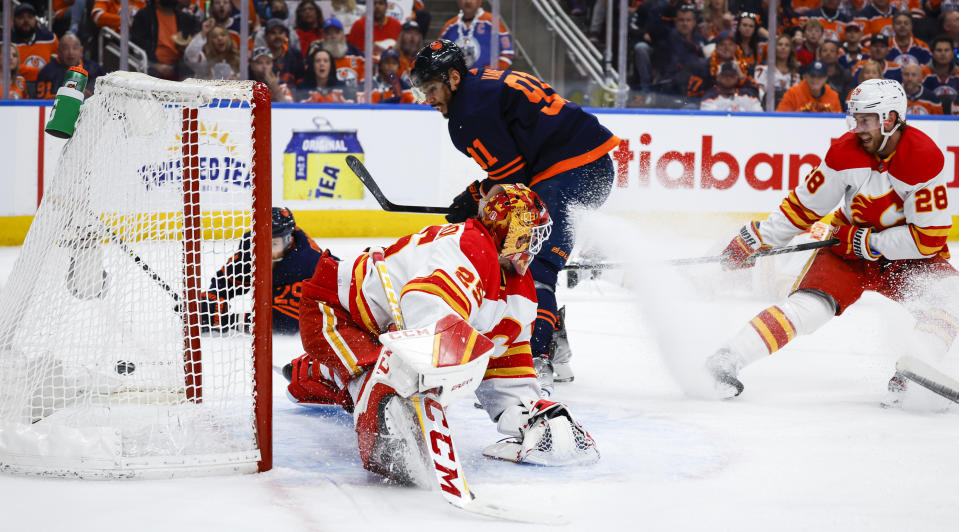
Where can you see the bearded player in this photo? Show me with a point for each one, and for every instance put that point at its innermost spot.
(521, 131)
(473, 273)
(892, 223)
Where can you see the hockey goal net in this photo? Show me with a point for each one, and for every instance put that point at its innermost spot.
(104, 372)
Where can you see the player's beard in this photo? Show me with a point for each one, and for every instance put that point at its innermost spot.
(870, 146)
(336, 49)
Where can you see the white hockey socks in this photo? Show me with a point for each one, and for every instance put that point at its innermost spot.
(802, 312)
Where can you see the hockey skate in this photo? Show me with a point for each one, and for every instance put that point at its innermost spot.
(559, 350)
(544, 375)
(724, 367)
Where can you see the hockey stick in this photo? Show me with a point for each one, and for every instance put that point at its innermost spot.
(929, 377)
(705, 260)
(435, 430)
(364, 175)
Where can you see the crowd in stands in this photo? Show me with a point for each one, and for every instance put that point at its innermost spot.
(708, 54)
(301, 52)
(713, 54)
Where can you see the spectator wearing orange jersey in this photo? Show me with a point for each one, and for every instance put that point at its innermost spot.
(878, 50)
(35, 45)
(875, 18)
(308, 25)
(726, 50)
(941, 76)
(906, 48)
(386, 30)
(18, 89)
(812, 39)
(812, 94)
(832, 18)
(320, 84)
(69, 54)
(409, 43)
(920, 100)
(748, 39)
(348, 61)
(106, 13)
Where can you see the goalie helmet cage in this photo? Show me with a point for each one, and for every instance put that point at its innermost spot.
(103, 370)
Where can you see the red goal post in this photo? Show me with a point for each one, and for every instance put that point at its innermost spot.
(104, 371)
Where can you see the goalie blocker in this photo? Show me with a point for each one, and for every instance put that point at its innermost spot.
(459, 287)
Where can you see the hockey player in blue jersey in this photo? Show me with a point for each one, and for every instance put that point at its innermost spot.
(294, 258)
(519, 130)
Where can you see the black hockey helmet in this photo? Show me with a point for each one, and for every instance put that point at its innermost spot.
(435, 60)
(283, 222)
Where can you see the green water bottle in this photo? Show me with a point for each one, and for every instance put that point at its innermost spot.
(66, 105)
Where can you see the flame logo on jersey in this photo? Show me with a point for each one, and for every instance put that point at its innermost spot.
(879, 213)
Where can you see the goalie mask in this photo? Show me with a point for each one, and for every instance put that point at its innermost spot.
(876, 98)
(518, 221)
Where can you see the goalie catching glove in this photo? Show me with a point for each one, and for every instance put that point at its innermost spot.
(466, 205)
(548, 437)
(741, 251)
(854, 243)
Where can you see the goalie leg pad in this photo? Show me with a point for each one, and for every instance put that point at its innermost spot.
(389, 437)
(311, 382)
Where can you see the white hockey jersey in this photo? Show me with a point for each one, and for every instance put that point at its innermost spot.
(902, 198)
(454, 269)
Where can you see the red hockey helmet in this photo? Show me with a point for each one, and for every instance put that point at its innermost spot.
(518, 221)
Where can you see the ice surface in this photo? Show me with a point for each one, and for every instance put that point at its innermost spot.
(806, 447)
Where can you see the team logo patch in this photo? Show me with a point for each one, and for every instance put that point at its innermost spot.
(436, 45)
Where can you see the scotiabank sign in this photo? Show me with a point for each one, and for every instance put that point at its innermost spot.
(711, 163)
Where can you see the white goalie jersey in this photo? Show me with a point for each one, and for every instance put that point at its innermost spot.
(901, 198)
(454, 269)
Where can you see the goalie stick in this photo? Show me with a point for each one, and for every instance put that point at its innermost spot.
(929, 377)
(435, 427)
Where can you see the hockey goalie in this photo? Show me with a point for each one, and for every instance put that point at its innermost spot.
(393, 336)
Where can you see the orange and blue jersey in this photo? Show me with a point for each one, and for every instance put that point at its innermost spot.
(948, 85)
(234, 279)
(35, 52)
(916, 53)
(476, 38)
(519, 130)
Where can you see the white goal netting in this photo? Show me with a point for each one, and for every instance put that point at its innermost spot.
(104, 371)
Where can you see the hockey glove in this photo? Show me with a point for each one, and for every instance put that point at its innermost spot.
(854, 243)
(215, 314)
(466, 205)
(741, 251)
